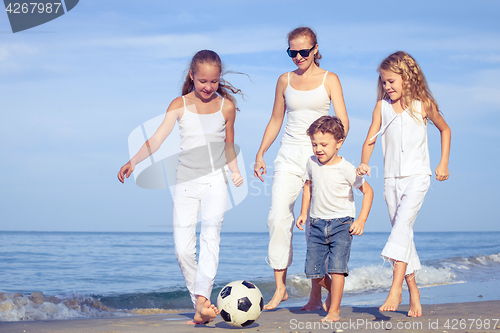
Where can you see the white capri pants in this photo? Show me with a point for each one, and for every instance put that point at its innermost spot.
(288, 181)
(188, 198)
(404, 197)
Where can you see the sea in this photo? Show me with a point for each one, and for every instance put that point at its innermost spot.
(68, 275)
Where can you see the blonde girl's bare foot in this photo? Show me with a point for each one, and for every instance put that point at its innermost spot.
(205, 313)
(331, 316)
(392, 302)
(279, 296)
(328, 302)
(415, 306)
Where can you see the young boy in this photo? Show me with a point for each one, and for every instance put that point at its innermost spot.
(330, 179)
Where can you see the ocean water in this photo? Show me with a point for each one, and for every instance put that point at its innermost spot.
(65, 275)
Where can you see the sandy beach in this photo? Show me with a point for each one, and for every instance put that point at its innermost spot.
(455, 317)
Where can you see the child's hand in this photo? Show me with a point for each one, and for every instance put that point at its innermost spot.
(237, 179)
(125, 171)
(363, 169)
(301, 221)
(442, 172)
(357, 227)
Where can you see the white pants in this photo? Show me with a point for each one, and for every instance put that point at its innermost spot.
(404, 197)
(288, 181)
(188, 198)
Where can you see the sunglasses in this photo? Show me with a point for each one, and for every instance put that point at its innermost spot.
(303, 53)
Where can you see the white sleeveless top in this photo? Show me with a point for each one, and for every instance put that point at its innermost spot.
(404, 142)
(202, 143)
(303, 108)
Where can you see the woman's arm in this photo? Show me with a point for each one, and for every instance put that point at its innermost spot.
(273, 127)
(336, 95)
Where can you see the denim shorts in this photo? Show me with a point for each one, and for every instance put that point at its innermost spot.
(328, 239)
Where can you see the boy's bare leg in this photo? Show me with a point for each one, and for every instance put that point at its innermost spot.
(326, 283)
(337, 289)
(415, 306)
(395, 298)
(280, 294)
(314, 302)
(204, 311)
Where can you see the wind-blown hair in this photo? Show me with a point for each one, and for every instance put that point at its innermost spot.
(309, 33)
(327, 124)
(415, 86)
(207, 56)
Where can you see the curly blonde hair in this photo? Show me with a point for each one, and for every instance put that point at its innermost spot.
(415, 86)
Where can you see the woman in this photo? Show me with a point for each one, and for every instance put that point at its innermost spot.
(305, 94)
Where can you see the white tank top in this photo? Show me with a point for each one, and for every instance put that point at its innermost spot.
(303, 108)
(202, 142)
(404, 142)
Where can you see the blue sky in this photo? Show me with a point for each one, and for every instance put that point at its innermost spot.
(73, 89)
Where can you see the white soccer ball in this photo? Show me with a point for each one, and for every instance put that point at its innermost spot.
(240, 303)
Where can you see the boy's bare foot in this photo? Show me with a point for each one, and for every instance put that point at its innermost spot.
(328, 302)
(205, 313)
(392, 302)
(415, 306)
(332, 316)
(312, 305)
(279, 296)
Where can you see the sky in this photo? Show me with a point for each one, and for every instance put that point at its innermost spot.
(72, 90)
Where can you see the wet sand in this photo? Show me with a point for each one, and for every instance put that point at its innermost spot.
(454, 317)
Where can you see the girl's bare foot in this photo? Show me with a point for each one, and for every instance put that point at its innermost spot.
(279, 296)
(332, 316)
(415, 306)
(393, 300)
(205, 313)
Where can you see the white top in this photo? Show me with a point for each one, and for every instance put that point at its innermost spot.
(332, 185)
(303, 108)
(404, 142)
(202, 144)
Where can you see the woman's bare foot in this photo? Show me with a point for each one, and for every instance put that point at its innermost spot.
(415, 306)
(279, 296)
(393, 300)
(205, 313)
(331, 316)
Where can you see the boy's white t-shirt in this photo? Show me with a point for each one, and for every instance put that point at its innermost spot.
(332, 195)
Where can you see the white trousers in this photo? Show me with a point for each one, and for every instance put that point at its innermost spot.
(404, 197)
(288, 181)
(189, 197)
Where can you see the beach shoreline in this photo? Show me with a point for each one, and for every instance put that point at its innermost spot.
(481, 316)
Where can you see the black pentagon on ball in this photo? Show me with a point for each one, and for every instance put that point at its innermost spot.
(261, 304)
(248, 322)
(225, 292)
(244, 304)
(225, 315)
(249, 285)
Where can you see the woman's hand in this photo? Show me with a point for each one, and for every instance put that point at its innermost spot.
(259, 168)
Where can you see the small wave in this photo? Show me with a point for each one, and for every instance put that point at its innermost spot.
(37, 306)
(366, 279)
